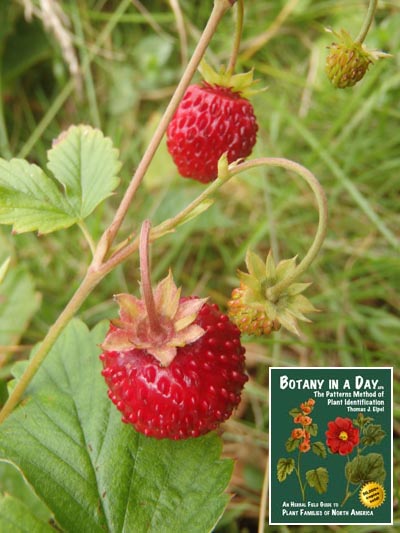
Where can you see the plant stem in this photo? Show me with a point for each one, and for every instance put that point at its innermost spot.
(147, 291)
(319, 194)
(369, 17)
(219, 9)
(99, 268)
(237, 38)
(299, 477)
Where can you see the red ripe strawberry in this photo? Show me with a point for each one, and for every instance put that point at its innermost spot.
(174, 366)
(212, 119)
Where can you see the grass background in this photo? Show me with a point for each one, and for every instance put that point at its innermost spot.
(114, 67)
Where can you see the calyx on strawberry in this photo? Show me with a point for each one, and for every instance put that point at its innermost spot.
(257, 311)
(214, 117)
(174, 366)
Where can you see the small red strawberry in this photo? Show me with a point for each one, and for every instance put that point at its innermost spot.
(213, 118)
(174, 366)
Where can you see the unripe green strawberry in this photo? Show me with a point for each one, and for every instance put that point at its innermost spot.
(348, 61)
(254, 307)
(249, 319)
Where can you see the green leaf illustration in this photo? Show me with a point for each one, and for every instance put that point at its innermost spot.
(318, 479)
(313, 429)
(319, 449)
(284, 468)
(96, 474)
(294, 412)
(86, 163)
(372, 434)
(292, 444)
(30, 200)
(366, 468)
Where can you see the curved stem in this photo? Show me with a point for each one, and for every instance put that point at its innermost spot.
(369, 17)
(319, 194)
(147, 291)
(237, 38)
(219, 9)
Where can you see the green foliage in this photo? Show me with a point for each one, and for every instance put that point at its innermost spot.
(318, 479)
(82, 161)
(319, 449)
(19, 301)
(129, 62)
(16, 516)
(372, 434)
(284, 468)
(365, 468)
(95, 473)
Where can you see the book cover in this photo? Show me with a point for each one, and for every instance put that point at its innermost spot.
(330, 445)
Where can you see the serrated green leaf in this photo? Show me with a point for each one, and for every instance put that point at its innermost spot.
(319, 449)
(313, 429)
(295, 411)
(18, 303)
(86, 163)
(284, 468)
(29, 200)
(372, 434)
(318, 479)
(97, 474)
(365, 468)
(16, 517)
(292, 444)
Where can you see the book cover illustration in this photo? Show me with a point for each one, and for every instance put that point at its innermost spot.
(330, 445)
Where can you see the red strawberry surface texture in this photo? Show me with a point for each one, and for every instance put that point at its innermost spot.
(191, 395)
(211, 120)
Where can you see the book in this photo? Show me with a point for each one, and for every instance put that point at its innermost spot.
(330, 445)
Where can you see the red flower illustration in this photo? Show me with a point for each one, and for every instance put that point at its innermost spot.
(342, 436)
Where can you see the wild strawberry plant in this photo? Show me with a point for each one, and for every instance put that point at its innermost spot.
(173, 363)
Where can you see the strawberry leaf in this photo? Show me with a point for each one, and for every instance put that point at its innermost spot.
(86, 164)
(18, 303)
(14, 514)
(96, 474)
(30, 200)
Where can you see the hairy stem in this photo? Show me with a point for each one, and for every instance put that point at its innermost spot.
(237, 37)
(147, 291)
(369, 17)
(98, 267)
(219, 9)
